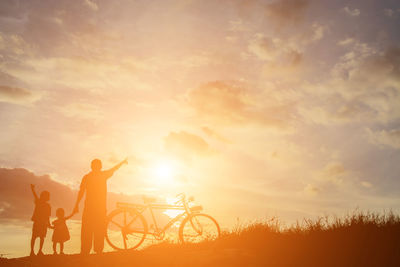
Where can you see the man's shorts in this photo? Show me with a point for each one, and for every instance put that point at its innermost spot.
(39, 229)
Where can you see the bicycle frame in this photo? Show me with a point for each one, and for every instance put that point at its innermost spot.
(142, 208)
(188, 217)
(157, 230)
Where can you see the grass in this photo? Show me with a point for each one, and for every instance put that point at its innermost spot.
(359, 239)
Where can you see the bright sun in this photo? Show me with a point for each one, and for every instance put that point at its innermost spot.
(163, 172)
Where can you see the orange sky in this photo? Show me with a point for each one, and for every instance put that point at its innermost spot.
(284, 108)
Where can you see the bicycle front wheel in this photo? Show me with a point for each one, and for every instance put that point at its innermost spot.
(197, 228)
(126, 229)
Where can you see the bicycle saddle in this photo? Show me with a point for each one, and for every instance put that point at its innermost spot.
(148, 200)
(196, 208)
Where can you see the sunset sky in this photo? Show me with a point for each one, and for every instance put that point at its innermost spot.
(287, 108)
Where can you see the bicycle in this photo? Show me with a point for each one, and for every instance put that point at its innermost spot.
(127, 228)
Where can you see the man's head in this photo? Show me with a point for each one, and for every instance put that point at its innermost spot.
(96, 165)
(44, 196)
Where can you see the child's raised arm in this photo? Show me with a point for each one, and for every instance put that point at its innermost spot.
(33, 191)
(69, 217)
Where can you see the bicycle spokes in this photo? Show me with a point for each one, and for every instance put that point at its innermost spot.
(126, 229)
(198, 228)
(124, 239)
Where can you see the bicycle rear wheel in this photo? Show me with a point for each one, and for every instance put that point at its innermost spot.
(197, 228)
(126, 229)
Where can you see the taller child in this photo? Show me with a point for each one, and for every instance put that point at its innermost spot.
(40, 218)
(94, 212)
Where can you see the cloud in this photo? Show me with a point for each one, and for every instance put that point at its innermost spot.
(391, 13)
(10, 81)
(237, 26)
(371, 79)
(388, 12)
(91, 4)
(212, 133)
(318, 32)
(352, 12)
(264, 48)
(338, 178)
(276, 13)
(303, 38)
(386, 138)
(47, 44)
(364, 87)
(16, 200)
(333, 169)
(17, 95)
(366, 184)
(339, 112)
(51, 28)
(284, 56)
(334, 173)
(186, 145)
(84, 111)
(221, 103)
(312, 190)
(287, 11)
(346, 41)
(218, 99)
(68, 72)
(13, 46)
(287, 52)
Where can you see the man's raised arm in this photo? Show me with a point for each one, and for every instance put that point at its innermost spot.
(116, 167)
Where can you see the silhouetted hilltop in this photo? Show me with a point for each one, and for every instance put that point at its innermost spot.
(356, 240)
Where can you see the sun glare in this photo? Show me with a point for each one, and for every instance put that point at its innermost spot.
(163, 173)
(172, 213)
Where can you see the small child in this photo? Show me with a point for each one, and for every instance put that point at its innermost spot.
(40, 218)
(61, 233)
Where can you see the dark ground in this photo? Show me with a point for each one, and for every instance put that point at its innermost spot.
(356, 240)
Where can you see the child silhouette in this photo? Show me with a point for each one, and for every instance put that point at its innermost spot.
(40, 218)
(61, 233)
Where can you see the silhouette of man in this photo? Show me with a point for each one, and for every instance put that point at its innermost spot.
(94, 184)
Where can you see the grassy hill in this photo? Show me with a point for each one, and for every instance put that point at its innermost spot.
(362, 239)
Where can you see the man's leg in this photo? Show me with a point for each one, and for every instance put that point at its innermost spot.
(33, 245)
(99, 234)
(86, 233)
(41, 245)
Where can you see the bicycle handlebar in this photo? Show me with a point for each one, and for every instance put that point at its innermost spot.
(181, 197)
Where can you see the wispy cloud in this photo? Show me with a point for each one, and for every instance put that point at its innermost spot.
(388, 138)
(85, 111)
(213, 134)
(364, 87)
(185, 145)
(287, 11)
(346, 41)
(229, 103)
(91, 4)
(352, 12)
(18, 96)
